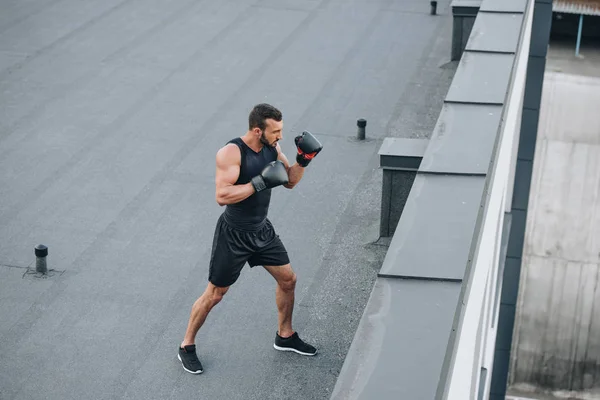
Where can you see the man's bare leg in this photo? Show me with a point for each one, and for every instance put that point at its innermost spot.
(210, 298)
(284, 297)
(287, 339)
(187, 350)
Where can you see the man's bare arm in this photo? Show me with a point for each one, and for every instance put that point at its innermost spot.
(228, 170)
(295, 172)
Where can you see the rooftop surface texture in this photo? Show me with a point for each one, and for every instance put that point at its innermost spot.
(111, 116)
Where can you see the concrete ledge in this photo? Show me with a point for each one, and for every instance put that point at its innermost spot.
(496, 33)
(481, 78)
(465, 8)
(504, 6)
(396, 354)
(460, 129)
(402, 154)
(435, 231)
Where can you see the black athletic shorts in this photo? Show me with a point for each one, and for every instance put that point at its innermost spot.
(233, 247)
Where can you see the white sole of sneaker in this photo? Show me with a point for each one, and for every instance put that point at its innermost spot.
(294, 350)
(187, 370)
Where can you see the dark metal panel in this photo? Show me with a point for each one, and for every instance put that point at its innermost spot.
(433, 237)
(542, 20)
(402, 163)
(395, 192)
(457, 32)
(528, 138)
(469, 7)
(400, 153)
(481, 78)
(499, 374)
(504, 5)
(510, 284)
(496, 32)
(517, 233)
(406, 324)
(535, 80)
(459, 11)
(402, 182)
(506, 320)
(463, 139)
(386, 203)
(464, 13)
(522, 186)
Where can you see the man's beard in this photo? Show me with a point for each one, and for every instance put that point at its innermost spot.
(264, 141)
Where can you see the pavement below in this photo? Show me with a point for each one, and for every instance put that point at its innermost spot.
(560, 257)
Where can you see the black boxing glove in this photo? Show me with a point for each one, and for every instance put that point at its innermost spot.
(308, 147)
(274, 174)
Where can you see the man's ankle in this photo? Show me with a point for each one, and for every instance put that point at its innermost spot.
(286, 333)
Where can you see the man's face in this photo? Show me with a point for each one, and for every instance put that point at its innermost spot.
(272, 133)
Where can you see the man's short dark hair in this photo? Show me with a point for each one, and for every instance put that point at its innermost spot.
(260, 113)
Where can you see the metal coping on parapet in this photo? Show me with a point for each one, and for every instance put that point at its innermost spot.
(500, 12)
(476, 103)
(485, 200)
(419, 278)
(486, 52)
(466, 280)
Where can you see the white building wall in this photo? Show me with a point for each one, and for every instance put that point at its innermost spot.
(477, 330)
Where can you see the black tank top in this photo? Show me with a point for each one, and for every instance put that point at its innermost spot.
(251, 213)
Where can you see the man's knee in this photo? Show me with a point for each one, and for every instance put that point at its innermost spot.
(288, 282)
(215, 294)
(216, 297)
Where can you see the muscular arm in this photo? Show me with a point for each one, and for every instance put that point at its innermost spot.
(228, 170)
(295, 172)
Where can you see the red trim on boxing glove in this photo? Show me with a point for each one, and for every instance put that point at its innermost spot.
(307, 156)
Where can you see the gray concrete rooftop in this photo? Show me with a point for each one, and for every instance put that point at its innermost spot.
(111, 115)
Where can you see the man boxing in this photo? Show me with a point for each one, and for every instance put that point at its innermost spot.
(247, 168)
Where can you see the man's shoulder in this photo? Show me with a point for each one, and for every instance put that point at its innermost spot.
(229, 153)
